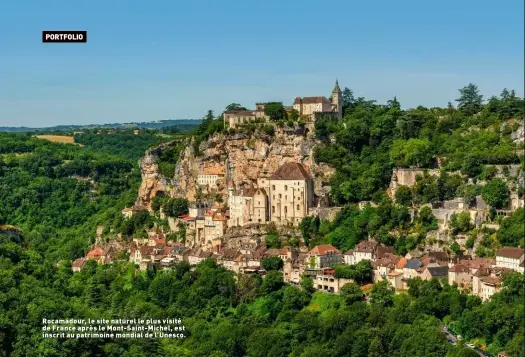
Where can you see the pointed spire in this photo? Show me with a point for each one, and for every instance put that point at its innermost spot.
(336, 88)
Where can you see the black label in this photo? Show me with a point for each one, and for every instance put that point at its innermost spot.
(64, 36)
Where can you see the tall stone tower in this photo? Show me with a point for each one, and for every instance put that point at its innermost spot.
(337, 100)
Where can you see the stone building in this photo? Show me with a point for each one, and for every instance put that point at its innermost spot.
(290, 194)
(210, 177)
(241, 206)
(284, 198)
(310, 106)
(234, 118)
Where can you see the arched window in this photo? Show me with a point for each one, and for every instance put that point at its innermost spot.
(285, 187)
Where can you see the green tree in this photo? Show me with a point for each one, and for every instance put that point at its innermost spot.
(175, 207)
(294, 115)
(404, 196)
(512, 228)
(412, 152)
(496, 193)
(382, 293)
(273, 281)
(235, 107)
(275, 110)
(307, 284)
(350, 293)
(272, 263)
(470, 101)
(460, 223)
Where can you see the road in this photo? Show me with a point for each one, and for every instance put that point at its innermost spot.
(451, 338)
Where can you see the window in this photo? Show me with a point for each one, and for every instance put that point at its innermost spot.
(285, 187)
(273, 209)
(280, 196)
(273, 187)
(285, 210)
(298, 207)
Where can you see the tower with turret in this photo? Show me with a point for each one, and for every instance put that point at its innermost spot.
(337, 100)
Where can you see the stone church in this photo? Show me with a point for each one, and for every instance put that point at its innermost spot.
(284, 198)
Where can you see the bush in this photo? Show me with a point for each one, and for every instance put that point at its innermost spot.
(269, 129)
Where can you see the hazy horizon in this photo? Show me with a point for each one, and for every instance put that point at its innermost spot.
(147, 62)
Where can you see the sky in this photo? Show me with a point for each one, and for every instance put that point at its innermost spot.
(155, 60)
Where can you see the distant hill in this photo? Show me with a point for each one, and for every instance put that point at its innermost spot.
(143, 125)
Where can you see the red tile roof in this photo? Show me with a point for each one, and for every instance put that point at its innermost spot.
(78, 263)
(324, 249)
(290, 171)
(459, 268)
(366, 246)
(95, 253)
(401, 263)
(509, 252)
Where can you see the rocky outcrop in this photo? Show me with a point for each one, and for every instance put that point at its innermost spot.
(245, 158)
(153, 183)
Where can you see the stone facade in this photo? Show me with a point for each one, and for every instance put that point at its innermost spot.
(284, 198)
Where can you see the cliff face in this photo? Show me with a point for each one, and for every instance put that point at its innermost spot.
(153, 183)
(244, 158)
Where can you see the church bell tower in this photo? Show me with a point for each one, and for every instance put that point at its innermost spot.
(337, 100)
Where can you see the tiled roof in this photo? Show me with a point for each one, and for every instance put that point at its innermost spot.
(438, 271)
(229, 254)
(381, 251)
(413, 264)
(366, 246)
(401, 263)
(509, 252)
(273, 252)
(311, 100)
(491, 280)
(324, 249)
(482, 272)
(290, 171)
(77, 263)
(147, 250)
(95, 253)
(442, 256)
(458, 268)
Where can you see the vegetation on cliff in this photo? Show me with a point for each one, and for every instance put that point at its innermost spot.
(373, 138)
(58, 194)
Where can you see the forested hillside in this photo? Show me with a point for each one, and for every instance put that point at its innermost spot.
(57, 194)
(374, 138)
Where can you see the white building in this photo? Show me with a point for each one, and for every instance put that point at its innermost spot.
(209, 178)
(511, 258)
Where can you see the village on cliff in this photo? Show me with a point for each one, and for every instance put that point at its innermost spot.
(280, 193)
